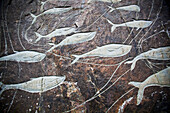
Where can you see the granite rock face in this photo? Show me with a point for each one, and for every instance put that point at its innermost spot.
(89, 74)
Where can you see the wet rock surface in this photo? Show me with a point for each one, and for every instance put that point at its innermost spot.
(89, 74)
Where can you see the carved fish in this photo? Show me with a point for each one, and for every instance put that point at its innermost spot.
(75, 39)
(162, 53)
(57, 32)
(51, 11)
(50, 1)
(24, 56)
(136, 24)
(53, 1)
(109, 1)
(58, 0)
(110, 50)
(126, 8)
(36, 85)
(162, 78)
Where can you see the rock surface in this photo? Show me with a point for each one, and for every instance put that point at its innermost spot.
(90, 74)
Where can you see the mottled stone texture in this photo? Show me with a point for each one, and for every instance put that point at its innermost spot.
(83, 80)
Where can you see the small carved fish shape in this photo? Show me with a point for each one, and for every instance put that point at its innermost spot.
(36, 85)
(109, 1)
(57, 32)
(75, 39)
(51, 1)
(135, 8)
(51, 11)
(162, 78)
(136, 24)
(24, 56)
(110, 50)
(162, 53)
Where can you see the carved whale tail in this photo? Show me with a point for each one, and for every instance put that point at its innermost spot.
(113, 25)
(140, 91)
(42, 5)
(133, 62)
(77, 58)
(111, 8)
(2, 86)
(39, 37)
(34, 18)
